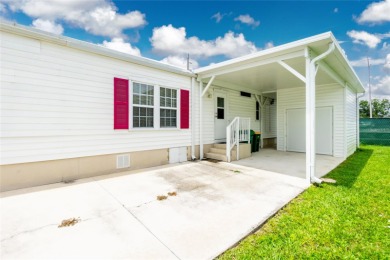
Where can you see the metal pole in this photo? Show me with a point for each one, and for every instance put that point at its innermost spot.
(369, 86)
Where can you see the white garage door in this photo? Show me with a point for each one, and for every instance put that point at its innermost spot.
(296, 130)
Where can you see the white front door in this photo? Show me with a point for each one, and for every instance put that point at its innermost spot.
(220, 114)
(296, 130)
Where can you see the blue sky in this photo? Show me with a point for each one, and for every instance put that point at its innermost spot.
(213, 31)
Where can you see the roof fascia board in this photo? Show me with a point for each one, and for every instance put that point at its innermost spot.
(351, 71)
(235, 68)
(296, 44)
(328, 70)
(89, 47)
(333, 74)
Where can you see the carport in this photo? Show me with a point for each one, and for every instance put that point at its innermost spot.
(316, 122)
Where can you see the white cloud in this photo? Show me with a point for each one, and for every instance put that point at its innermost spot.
(218, 17)
(336, 10)
(385, 46)
(3, 8)
(364, 38)
(99, 17)
(248, 20)
(269, 45)
(362, 62)
(180, 61)
(48, 26)
(377, 12)
(119, 44)
(382, 88)
(169, 40)
(387, 63)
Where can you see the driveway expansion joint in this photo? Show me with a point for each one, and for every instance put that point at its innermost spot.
(139, 221)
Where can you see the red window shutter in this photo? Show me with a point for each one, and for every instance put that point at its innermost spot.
(121, 103)
(184, 109)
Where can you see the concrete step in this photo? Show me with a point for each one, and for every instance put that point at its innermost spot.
(217, 150)
(216, 156)
(220, 146)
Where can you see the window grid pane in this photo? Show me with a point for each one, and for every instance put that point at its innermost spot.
(143, 102)
(168, 106)
(143, 94)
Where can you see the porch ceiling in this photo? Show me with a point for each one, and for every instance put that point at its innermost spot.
(262, 72)
(271, 77)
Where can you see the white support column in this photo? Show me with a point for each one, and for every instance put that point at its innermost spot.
(312, 80)
(311, 70)
(310, 117)
(200, 120)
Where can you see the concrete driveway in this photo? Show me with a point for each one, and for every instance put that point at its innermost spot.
(216, 205)
(276, 161)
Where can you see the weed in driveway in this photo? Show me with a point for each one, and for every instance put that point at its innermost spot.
(162, 197)
(69, 222)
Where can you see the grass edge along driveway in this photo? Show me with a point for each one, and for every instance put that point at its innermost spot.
(346, 220)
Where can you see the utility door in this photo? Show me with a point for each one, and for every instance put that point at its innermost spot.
(220, 114)
(296, 130)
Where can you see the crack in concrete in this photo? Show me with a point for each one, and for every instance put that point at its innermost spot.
(134, 216)
(50, 225)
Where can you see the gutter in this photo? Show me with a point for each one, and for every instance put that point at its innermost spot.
(358, 120)
(193, 157)
(313, 73)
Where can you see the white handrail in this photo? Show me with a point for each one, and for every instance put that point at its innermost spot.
(237, 131)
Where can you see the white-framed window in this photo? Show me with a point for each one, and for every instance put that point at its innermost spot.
(143, 105)
(154, 107)
(168, 108)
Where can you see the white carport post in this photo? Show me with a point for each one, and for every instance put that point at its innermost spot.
(311, 71)
(310, 117)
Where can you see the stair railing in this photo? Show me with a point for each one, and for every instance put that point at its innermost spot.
(237, 131)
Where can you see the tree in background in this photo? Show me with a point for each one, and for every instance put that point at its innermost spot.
(380, 108)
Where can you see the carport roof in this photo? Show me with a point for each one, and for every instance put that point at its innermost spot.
(261, 71)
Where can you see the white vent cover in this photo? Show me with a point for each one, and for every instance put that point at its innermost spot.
(177, 154)
(123, 161)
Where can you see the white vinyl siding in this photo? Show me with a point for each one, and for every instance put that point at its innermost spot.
(269, 119)
(239, 106)
(350, 115)
(57, 103)
(208, 116)
(326, 95)
(236, 106)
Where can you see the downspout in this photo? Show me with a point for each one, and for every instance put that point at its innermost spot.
(358, 120)
(258, 100)
(193, 157)
(313, 72)
(200, 120)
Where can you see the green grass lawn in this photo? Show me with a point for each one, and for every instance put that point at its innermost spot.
(346, 220)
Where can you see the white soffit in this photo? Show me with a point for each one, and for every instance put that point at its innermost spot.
(259, 71)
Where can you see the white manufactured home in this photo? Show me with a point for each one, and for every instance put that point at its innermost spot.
(71, 109)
